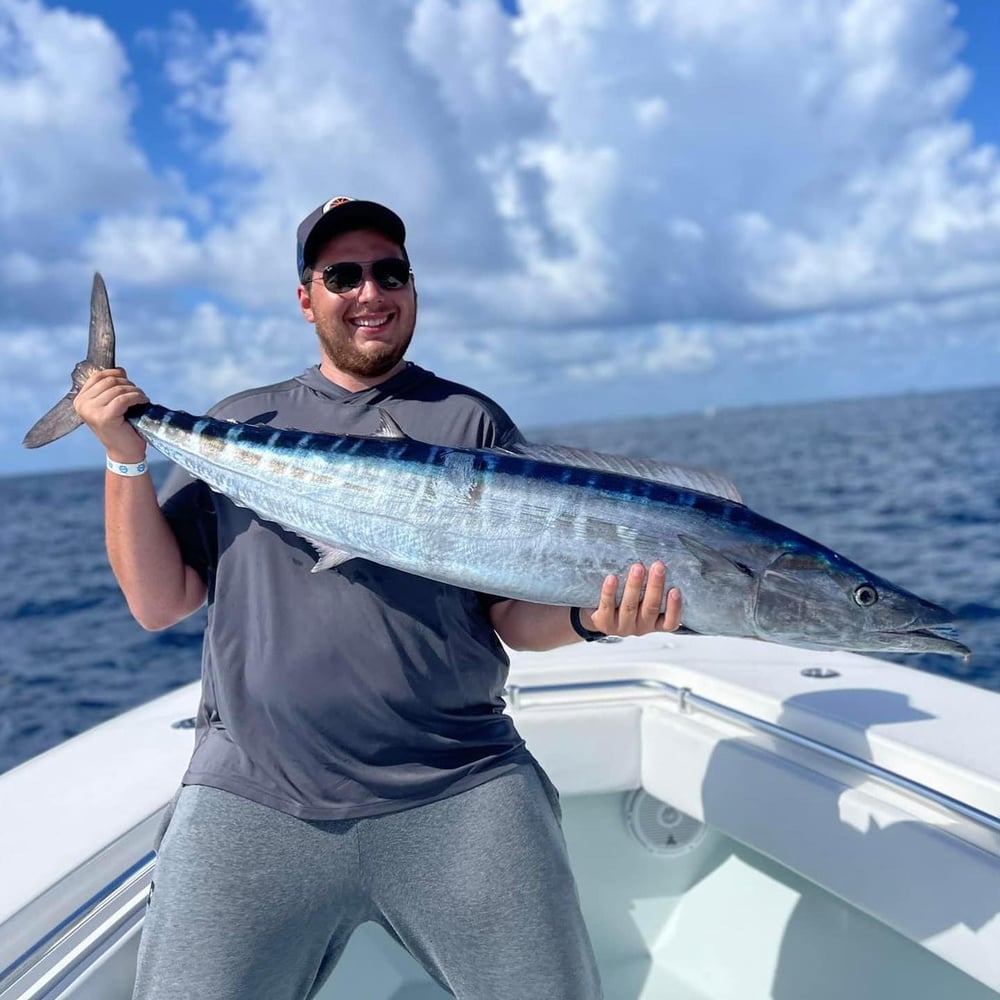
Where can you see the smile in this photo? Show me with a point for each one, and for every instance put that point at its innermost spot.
(372, 322)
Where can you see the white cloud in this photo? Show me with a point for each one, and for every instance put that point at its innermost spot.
(64, 114)
(651, 112)
(69, 154)
(590, 189)
(144, 249)
(609, 163)
(64, 117)
(679, 349)
(190, 361)
(663, 349)
(250, 351)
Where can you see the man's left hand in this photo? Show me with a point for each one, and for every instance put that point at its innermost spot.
(638, 612)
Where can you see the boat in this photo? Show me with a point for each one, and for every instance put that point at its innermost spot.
(745, 820)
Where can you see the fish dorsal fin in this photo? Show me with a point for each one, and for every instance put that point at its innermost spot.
(702, 480)
(388, 428)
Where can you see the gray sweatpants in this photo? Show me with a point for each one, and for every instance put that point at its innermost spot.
(249, 902)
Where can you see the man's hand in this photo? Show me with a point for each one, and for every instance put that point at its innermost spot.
(102, 403)
(638, 613)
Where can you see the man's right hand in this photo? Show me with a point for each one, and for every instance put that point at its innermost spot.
(101, 405)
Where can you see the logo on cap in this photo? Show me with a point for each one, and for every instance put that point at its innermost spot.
(334, 202)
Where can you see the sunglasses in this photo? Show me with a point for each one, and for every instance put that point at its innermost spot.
(389, 273)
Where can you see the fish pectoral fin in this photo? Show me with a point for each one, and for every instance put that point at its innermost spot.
(711, 560)
(388, 428)
(329, 556)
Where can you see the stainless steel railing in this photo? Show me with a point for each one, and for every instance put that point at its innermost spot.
(687, 701)
(54, 960)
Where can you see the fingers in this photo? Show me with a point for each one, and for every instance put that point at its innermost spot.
(652, 601)
(108, 394)
(638, 612)
(671, 618)
(609, 596)
(102, 403)
(628, 607)
(604, 617)
(103, 382)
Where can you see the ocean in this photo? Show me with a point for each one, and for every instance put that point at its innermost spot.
(907, 486)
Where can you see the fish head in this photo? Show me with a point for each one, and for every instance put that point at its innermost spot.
(818, 599)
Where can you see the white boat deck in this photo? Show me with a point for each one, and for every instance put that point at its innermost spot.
(812, 871)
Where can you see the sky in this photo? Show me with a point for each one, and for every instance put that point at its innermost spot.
(614, 207)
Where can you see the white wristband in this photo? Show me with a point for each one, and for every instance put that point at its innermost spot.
(124, 469)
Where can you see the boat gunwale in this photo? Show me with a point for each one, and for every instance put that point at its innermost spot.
(687, 700)
(56, 947)
(552, 695)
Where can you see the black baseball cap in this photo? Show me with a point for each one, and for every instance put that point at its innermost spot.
(341, 215)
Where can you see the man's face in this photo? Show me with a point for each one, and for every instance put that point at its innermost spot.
(364, 332)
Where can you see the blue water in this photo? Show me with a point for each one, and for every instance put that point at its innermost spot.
(909, 487)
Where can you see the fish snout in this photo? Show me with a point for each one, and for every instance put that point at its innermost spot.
(928, 615)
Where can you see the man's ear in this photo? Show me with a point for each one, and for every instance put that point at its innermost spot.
(305, 303)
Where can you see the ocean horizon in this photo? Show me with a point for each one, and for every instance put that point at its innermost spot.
(907, 485)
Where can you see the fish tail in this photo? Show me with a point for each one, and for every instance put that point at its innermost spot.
(62, 418)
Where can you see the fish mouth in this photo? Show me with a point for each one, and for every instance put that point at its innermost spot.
(940, 639)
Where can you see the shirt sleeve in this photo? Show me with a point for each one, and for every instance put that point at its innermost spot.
(496, 429)
(189, 507)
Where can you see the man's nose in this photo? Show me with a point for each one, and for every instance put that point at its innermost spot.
(368, 290)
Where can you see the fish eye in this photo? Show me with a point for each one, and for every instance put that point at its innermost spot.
(865, 595)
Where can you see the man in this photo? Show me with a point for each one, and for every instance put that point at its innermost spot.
(352, 761)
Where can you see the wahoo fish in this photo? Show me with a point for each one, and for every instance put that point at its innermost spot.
(539, 523)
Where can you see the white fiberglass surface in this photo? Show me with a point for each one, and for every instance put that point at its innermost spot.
(715, 922)
(719, 922)
(722, 922)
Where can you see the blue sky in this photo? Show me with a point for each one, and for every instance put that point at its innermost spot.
(615, 208)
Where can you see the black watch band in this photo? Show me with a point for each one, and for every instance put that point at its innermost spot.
(584, 633)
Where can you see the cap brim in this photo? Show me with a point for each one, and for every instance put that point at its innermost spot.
(349, 216)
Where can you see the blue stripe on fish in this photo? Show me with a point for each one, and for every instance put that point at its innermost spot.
(423, 454)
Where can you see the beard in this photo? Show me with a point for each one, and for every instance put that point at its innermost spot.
(347, 357)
